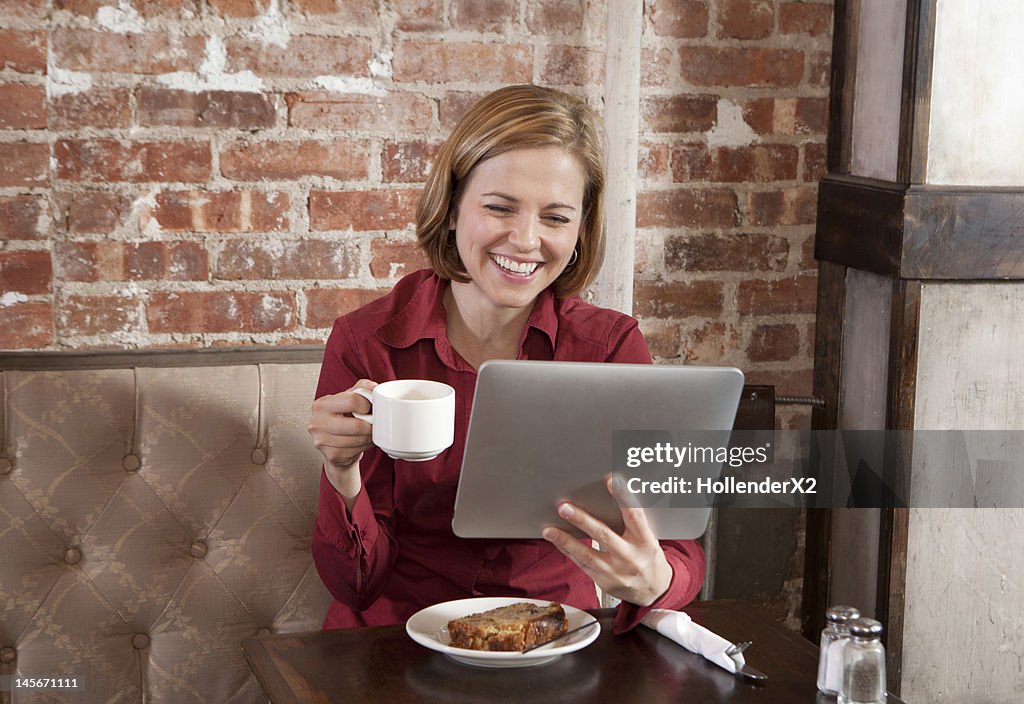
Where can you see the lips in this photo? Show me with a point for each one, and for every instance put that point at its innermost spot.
(524, 269)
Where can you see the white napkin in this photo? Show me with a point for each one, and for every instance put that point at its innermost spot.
(694, 637)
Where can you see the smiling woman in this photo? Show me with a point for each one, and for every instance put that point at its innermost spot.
(511, 220)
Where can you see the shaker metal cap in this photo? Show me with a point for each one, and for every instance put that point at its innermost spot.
(865, 628)
(841, 614)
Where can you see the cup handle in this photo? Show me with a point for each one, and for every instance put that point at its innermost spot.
(368, 395)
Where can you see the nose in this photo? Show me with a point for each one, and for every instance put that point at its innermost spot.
(525, 234)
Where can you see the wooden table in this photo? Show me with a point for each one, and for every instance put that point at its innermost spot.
(385, 665)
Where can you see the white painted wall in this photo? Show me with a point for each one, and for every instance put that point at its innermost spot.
(976, 133)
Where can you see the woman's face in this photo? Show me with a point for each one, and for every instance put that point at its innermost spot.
(517, 223)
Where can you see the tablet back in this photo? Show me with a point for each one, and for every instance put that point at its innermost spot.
(545, 432)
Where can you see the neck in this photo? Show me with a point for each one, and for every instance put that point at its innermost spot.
(479, 333)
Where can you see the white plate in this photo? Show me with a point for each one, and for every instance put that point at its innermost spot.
(429, 628)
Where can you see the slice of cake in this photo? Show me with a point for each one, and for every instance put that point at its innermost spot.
(514, 627)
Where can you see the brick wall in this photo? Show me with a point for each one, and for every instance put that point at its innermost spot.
(183, 173)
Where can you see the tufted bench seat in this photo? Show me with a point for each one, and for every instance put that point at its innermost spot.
(155, 510)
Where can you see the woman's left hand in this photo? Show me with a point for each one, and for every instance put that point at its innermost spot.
(631, 566)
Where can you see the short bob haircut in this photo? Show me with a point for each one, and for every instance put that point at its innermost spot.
(516, 117)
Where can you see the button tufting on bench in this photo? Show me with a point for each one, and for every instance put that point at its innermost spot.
(131, 463)
(140, 641)
(197, 549)
(5, 466)
(72, 556)
(259, 456)
(7, 654)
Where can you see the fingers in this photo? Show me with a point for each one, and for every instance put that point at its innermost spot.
(339, 437)
(586, 558)
(634, 518)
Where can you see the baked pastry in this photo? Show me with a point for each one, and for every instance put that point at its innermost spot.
(514, 627)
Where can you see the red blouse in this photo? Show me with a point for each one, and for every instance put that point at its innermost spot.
(397, 553)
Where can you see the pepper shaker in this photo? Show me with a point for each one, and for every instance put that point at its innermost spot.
(830, 654)
(863, 664)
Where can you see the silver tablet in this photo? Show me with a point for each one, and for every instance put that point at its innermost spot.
(545, 432)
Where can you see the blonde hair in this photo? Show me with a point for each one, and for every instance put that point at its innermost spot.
(510, 118)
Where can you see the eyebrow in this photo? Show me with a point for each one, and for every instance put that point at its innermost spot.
(549, 206)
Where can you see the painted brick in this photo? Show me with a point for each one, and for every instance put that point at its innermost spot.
(708, 342)
(678, 299)
(91, 212)
(26, 326)
(790, 206)
(89, 261)
(653, 162)
(169, 261)
(572, 66)
(253, 161)
(28, 272)
(407, 162)
(21, 51)
(147, 53)
(362, 210)
(451, 62)
(484, 15)
(682, 113)
(421, 16)
(713, 207)
(393, 259)
(750, 67)
(386, 114)
(759, 163)
(773, 343)
(24, 9)
(795, 294)
(690, 162)
(221, 312)
(813, 18)
(179, 108)
(22, 107)
(680, 18)
(658, 71)
(726, 252)
(324, 305)
(114, 160)
(545, 17)
(24, 164)
(96, 315)
(745, 19)
(286, 259)
(24, 218)
(96, 107)
(221, 211)
(304, 56)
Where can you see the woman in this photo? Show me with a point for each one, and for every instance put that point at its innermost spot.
(511, 218)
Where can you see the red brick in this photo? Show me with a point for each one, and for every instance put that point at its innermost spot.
(221, 211)
(362, 210)
(727, 252)
(819, 69)
(407, 162)
(680, 18)
(790, 206)
(27, 272)
(390, 113)
(681, 113)
(710, 342)
(554, 16)
(89, 261)
(807, 260)
(690, 162)
(453, 61)
(713, 207)
(22, 107)
(26, 326)
(285, 259)
(96, 107)
(453, 106)
(91, 212)
(678, 299)
(359, 13)
(391, 259)
(745, 19)
(236, 8)
(810, 18)
(658, 71)
(750, 67)
(653, 162)
(218, 108)
(185, 9)
(108, 160)
(759, 163)
(24, 52)
(324, 305)
(663, 339)
(96, 315)
(25, 9)
(484, 15)
(23, 218)
(168, 261)
(148, 53)
(773, 343)
(795, 294)
(253, 161)
(421, 16)
(572, 66)
(788, 116)
(221, 312)
(24, 164)
(815, 162)
(304, 56)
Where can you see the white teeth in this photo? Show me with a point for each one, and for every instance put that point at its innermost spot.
(515, 267)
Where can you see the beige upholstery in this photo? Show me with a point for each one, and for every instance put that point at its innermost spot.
(150, 520)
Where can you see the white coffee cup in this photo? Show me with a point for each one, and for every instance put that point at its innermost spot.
(413, 419)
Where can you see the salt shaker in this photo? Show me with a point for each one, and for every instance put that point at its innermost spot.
(830, 654)
(863, 664)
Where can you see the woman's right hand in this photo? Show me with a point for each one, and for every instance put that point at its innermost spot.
(340, 438)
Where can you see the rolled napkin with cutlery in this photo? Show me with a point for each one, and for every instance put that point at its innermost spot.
(679, 627)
